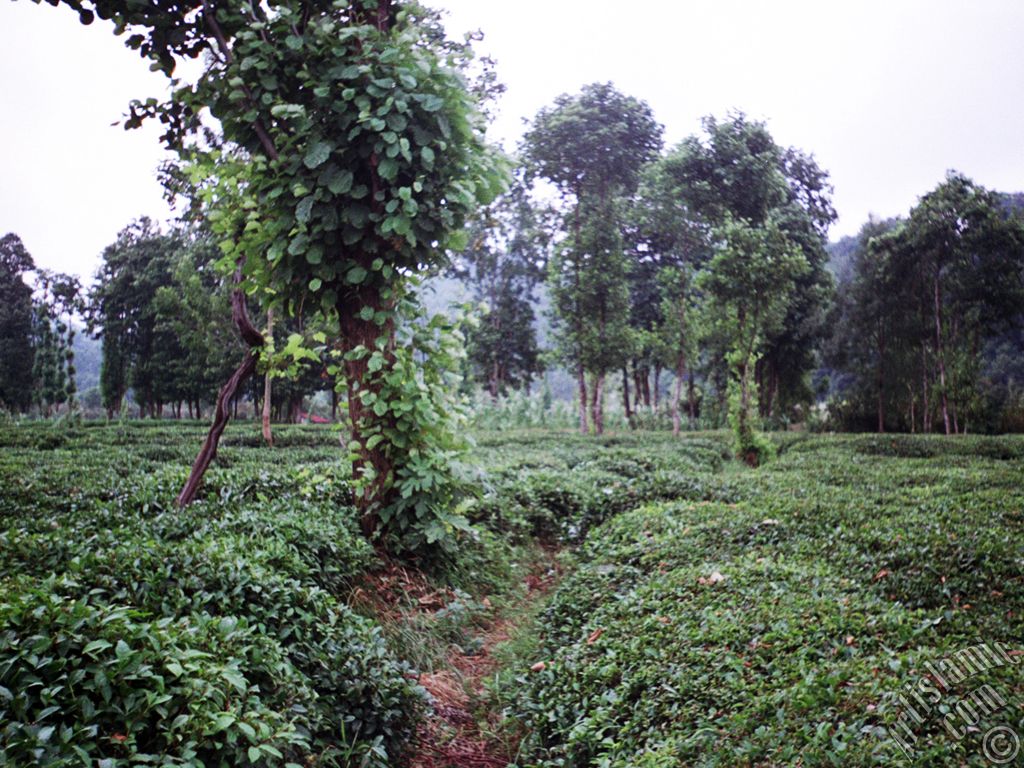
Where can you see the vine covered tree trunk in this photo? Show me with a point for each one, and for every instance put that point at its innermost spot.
(495, 382)
(370, 465)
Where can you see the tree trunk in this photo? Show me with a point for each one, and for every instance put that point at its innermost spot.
(597, 404)
(743, 417)
(208, 452)
(625, 396)
(494, 382)
(581, 380)
(657, 387)
(881, 381)
(371, 467)
(334, 404)
(926, 411)
(692, 397)
(913, 404)
(268, 436)
(677, 394)
(638, 387)
(940, 354)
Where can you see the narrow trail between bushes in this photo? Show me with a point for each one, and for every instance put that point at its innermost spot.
(462, 730)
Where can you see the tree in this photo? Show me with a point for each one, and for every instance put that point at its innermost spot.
(56, 304)
(749, 282)
(925, 297)
(16, 318)
(591, 146)
(352, 152)
(503, 266)
(192, 323)
(867, 331)
(971, 257)
(675, 247)
(123, 312)
(736, 173)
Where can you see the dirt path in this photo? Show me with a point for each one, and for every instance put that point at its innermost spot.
(459, 732)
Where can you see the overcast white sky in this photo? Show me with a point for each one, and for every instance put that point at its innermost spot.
(888, 94)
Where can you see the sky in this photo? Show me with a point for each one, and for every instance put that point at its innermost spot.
(887, 94)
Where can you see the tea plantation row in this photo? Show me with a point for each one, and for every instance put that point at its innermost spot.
(134, 633)
(784, 628)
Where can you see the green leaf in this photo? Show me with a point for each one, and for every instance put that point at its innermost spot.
(355, 276)
(96, 646)
(388, 169)
(315, 284)
(304, 209)
(347, 73)
(458, 240)
(222, 721)
(298, 245)
(317, 154)
(339, 181)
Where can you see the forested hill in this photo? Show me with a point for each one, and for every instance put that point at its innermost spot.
(840, 257)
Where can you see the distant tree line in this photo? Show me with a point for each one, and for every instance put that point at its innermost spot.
(163, 314)
(695, 281)
(928, 317)
(37, 333)
(707, 266)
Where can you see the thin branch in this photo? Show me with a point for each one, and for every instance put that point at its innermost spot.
(258, 126)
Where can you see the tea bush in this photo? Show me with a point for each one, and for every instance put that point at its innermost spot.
(781, 629)
(247, 586)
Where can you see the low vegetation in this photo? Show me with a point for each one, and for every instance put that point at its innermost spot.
(706, 614)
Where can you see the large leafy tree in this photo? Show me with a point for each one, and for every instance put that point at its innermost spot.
(123, 312)
(924, 298)
(353, 150)
(592, 147)
(16, 350)
(749, 282)
(503, 265)
(56, 305)
(192, 325)
(867, 334)
(674, 246)
(969, 258)
(737, 173)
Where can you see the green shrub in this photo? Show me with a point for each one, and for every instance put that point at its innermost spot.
(82, 681)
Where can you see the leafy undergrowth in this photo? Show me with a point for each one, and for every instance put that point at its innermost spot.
(708, 615)
(132, 632)
(238, 631)
(782, 629)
